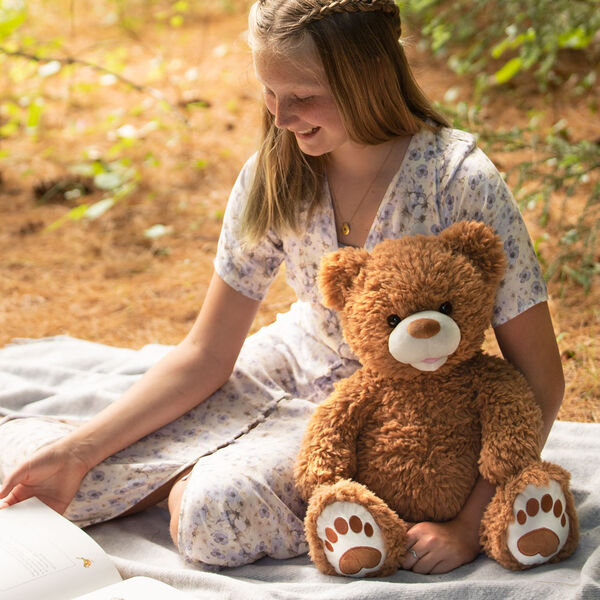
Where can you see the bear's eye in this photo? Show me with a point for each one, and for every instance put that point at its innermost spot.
(393, 320)
(445, 308)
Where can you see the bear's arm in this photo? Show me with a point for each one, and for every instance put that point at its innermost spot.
(511, 421)
(328, 450)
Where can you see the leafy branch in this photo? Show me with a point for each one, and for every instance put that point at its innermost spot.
(495, 41)
(560, 168)
(116, 179)
(66, 61)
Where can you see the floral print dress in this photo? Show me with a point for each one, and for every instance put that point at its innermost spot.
(240, 502)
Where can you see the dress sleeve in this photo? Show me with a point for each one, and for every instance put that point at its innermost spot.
(476, 191)
(249, 269)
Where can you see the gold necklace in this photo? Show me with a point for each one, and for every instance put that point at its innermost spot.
(345, 227)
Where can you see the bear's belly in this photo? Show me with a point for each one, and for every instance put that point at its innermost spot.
(423, 473)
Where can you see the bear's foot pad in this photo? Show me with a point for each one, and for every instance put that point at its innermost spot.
(539, 541)
(352, 541)
(360, 557)
(541, 526)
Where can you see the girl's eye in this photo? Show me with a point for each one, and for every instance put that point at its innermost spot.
(445, 308)
(303, 98)
(393, 320)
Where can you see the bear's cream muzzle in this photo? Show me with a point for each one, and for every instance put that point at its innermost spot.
(424, 340)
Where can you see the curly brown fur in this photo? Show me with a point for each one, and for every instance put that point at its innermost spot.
(409, 275)
(414, 450)
(415, 440)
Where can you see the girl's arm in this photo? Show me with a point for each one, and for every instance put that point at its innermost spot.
(186, 376)
(528, 342)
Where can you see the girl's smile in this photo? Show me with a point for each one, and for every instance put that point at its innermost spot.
(300, 100)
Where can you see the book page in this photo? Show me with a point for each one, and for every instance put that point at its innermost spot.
(43, 555)
(136, 588)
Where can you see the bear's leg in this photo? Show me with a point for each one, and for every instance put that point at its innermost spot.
(531, 520)
(352, 532)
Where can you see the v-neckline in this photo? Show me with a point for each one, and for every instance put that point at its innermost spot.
(368, 243)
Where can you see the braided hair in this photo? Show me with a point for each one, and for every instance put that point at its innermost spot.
(325, 9)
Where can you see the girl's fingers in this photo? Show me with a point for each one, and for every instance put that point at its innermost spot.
(410, 558)
(7, 486)
(11, 498)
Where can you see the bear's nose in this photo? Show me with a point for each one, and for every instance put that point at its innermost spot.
(423, 328)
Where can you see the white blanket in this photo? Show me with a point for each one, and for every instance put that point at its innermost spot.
(73, 378)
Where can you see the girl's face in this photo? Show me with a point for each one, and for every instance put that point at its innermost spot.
(298, 96)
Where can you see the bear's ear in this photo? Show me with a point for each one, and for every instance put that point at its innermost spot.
(338, 272)
(480, 244)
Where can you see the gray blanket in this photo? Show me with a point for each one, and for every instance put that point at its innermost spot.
(73, 378)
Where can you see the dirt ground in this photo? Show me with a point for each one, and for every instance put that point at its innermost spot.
(105, 279)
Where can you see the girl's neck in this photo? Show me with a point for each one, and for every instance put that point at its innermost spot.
(357, 161)
(358, 177)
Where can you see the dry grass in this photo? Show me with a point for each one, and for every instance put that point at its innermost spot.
(104, 280)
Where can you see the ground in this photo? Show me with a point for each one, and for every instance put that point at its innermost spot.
(184, 131)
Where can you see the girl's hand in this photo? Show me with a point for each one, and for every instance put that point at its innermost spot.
(53, 474)
(440, 547)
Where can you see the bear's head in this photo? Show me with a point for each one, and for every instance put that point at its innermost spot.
(417, 304)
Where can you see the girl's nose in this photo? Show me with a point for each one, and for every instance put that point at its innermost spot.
(284, 115)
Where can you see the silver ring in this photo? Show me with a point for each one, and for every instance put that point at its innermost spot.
(414, 553)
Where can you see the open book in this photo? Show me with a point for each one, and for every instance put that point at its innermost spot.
(43, 555)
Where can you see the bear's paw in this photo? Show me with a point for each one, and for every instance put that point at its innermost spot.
(352, 540)
(541, 525)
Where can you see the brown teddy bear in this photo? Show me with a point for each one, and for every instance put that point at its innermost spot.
(404, 439)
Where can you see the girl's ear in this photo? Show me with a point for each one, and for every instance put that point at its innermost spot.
(338, 274)
(480, 244)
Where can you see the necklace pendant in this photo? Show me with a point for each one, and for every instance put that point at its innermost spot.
(346, 228)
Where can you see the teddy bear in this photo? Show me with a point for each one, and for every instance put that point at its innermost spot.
(404, 438)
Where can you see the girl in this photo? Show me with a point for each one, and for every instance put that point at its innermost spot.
(352, 152)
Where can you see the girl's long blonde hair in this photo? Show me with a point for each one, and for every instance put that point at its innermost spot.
(358, 44)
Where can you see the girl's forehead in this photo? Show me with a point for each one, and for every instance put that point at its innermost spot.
(300, 67)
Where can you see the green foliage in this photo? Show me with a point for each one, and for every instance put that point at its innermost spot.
(27, 62)
(494, 42)
(132, 15)
(12, 15)
(117, 179)
(561, 169)
(526, 35)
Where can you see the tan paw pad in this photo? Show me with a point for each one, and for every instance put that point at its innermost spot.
(541, 526)
(352, 541)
